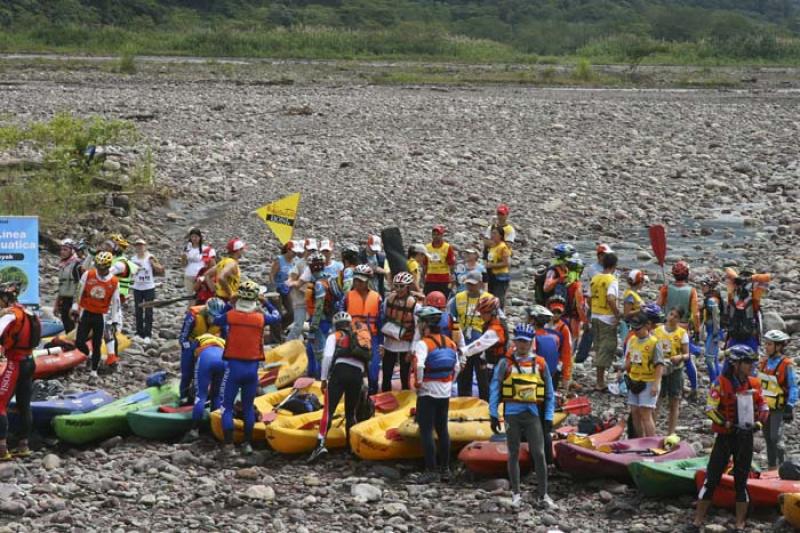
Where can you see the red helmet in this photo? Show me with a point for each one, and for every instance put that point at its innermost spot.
(488, 304)
(502, 209)
(436, 299)
(680, 270)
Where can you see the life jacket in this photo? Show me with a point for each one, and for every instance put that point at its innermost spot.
(680, 296)
(201, 323)
(67, 281)
(445, 323)
(599, 286)
(233, 281)
(742, 324)
(499, 349)
(245, 336)
(671, 341)
(97, 293)
(126, 280)
(402, 314)
(773, 383)
(641, 353)
(560, 271)
(524, 382)
(469, 320)
(329, 306)
(206, 340)
(365, 310)
(574, 291)
(548, 346)
(441, 360)
(23, 335)
(495, 253)
(722, 404)
(437, 259)
(637, 300)
(353, 343)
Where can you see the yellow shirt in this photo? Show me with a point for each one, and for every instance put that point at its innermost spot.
(599, 287)
(637, 300)
(644, 355)
(412, 265)
(496, 254)
(233, 280)
(671, 341)
(437, 259)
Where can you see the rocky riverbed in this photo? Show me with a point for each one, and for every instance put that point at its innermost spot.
(720, 169)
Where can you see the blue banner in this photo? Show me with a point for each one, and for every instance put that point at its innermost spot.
(19, 255)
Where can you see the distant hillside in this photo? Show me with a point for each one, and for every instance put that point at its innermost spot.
(504, 29)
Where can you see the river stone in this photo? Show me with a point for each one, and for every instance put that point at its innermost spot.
(773, 320)
(51, 461)
(365, 492)
(260, 492)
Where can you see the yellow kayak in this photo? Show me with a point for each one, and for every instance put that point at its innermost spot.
(292, 359)
(469, 421)
(264, 404)
(123, 342)
(790, 508)
(298, 434)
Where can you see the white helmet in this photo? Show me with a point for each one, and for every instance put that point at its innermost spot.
(403, 279)
(340, 317)
(776, 335)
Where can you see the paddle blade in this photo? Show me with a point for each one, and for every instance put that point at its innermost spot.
(385, 402)
(577, 406)
(393, 434)
(303, 383)
(658, 240)
(269, 417)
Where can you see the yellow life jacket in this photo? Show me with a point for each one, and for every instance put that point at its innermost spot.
(202, 324)
(599, 286)
(205, 340)
(637, 300)
(468, 318)
(671, 342)
(642, 354)
(523, 382)
(771, 384)
(437, 258)
(495, 254)
(233, 281)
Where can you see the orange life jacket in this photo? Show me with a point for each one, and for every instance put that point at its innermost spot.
(365, 310)
(498, 350)
(728, 404)
(402, 313)
(97, 293)
(17, 337)
(245, 336)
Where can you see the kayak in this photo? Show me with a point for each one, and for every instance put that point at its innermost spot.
(111, 419)
(593, 463)
(490, 458)
(51, 327)
(52, 365)
(45, 410)
(377, 439)
(790, 508)
(163, 422)
(764, 490)
(265, 403)
(293, 362)
(469, 421)
(123, 342)
(298, 434)
(667, 479)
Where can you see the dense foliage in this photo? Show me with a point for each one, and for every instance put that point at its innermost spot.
(612, 29)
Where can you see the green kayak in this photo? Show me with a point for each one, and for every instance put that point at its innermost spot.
(165, 423)
(667, 479)
(111, 419)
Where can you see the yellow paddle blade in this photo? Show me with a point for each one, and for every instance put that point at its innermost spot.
(659, 451)
(580, 440)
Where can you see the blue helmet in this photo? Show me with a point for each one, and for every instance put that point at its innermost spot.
(653, 312)
(741, 352)
(563, 250)
(215, 307)
(524, 332)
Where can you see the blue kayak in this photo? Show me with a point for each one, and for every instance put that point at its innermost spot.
(44, 411)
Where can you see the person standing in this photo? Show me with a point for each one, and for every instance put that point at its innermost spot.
(500, 221)
(199, 320)
(675, 349)
(560, 327)
(631, 300)
(279, 276)
(373, 256)
(712, 310)
(98, 297)
(440, 262)
(196, 255)
(436, 366)
(604, 294)
(227, 273)
(522, 382)
(399, 329)
(464, 312)
(745, 291)
(144, 288)
(492, 343)
(587, 338)
(244, 349)
(298, 291)
(320, 308)
(20, 332)
(644, 366)
(415, 265)
(471, 263)
(364, 306)
(779, 387)
(734, 429)
(69, 275)
(498, 264)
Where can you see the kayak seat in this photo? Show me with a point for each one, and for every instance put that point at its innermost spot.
(171, 409)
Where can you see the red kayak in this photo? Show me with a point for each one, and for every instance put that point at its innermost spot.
(613, 463)
(52, 365)
(490, 458)
(763, 489)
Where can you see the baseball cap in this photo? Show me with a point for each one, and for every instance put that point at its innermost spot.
(139, 241)
(502, 209)
(326, 245)
(473, 278)
(419, 248)
(235, 244)
(439, 228)
(311, 244)
(297, 247)
(374, 242)
(604, 249)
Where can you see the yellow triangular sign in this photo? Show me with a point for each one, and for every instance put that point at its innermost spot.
(280, 216)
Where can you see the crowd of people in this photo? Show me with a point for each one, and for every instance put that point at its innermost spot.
(441, 320)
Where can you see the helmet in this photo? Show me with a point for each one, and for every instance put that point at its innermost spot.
(635, 277)
(680, 270)
(10, 289)
(403, 279)
(487, 304)
(429, 314)
(776, 335)
(249, 290)
(69, 242)
(524, 332)
(342, 317)
(563, 250)
(603, 249)
(539, 311)
(119, 240)
(638, 321)
(653, 312)
(741, 352)
(709, 281)
(363, 271)
(104, 259)
(215, 306)
(574, 261)
(556, 301)
(316, 263)
(436, 299)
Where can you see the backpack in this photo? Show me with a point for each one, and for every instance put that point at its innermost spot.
(440, 361)
(35, 332)
(560, 289)
(302, 403)
(356, 343)
(742, 324)
(365, 408)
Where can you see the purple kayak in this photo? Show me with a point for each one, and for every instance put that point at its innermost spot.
(613, 461)
(44, 411)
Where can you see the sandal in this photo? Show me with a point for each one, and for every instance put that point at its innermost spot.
(6, 457)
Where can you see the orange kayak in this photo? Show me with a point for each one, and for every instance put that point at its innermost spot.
(764, 490)
(52, 365)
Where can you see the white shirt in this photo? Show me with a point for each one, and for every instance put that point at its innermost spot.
(5, 321)
(613, 290)
(144, 279)
(481, 344)
(434, 389)
(194, 259)
(511, 236)
(298, 293)
(115, 311)
(327, 358)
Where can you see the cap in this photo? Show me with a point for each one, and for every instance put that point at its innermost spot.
(235, 244)
(297, 247)
(326, 245)
(374, 242)
(439, 228)
(473, 277)
(604, 249)
(311, 244)
(139, 241)
(471, 251)
(502, 209)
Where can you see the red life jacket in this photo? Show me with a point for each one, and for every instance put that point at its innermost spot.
(245, 336)
(97, 293)
(727, 401)
(18, 337)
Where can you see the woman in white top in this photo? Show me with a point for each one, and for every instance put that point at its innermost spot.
(194, 254)
(144, 288)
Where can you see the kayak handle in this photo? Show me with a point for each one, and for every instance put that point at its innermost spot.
(47, 351)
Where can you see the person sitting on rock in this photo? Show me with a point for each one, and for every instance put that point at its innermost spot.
(779, 386)
(522, 382)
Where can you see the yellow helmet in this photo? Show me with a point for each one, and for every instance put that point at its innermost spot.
(103, 259)
(119, 240)
(249, 290)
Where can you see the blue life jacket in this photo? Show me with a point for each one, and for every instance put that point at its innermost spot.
(548, 345)
(440, 361)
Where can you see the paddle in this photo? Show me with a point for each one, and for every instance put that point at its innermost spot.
(658, 240)
(385, 402)
(577, 406)
(299, 384)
